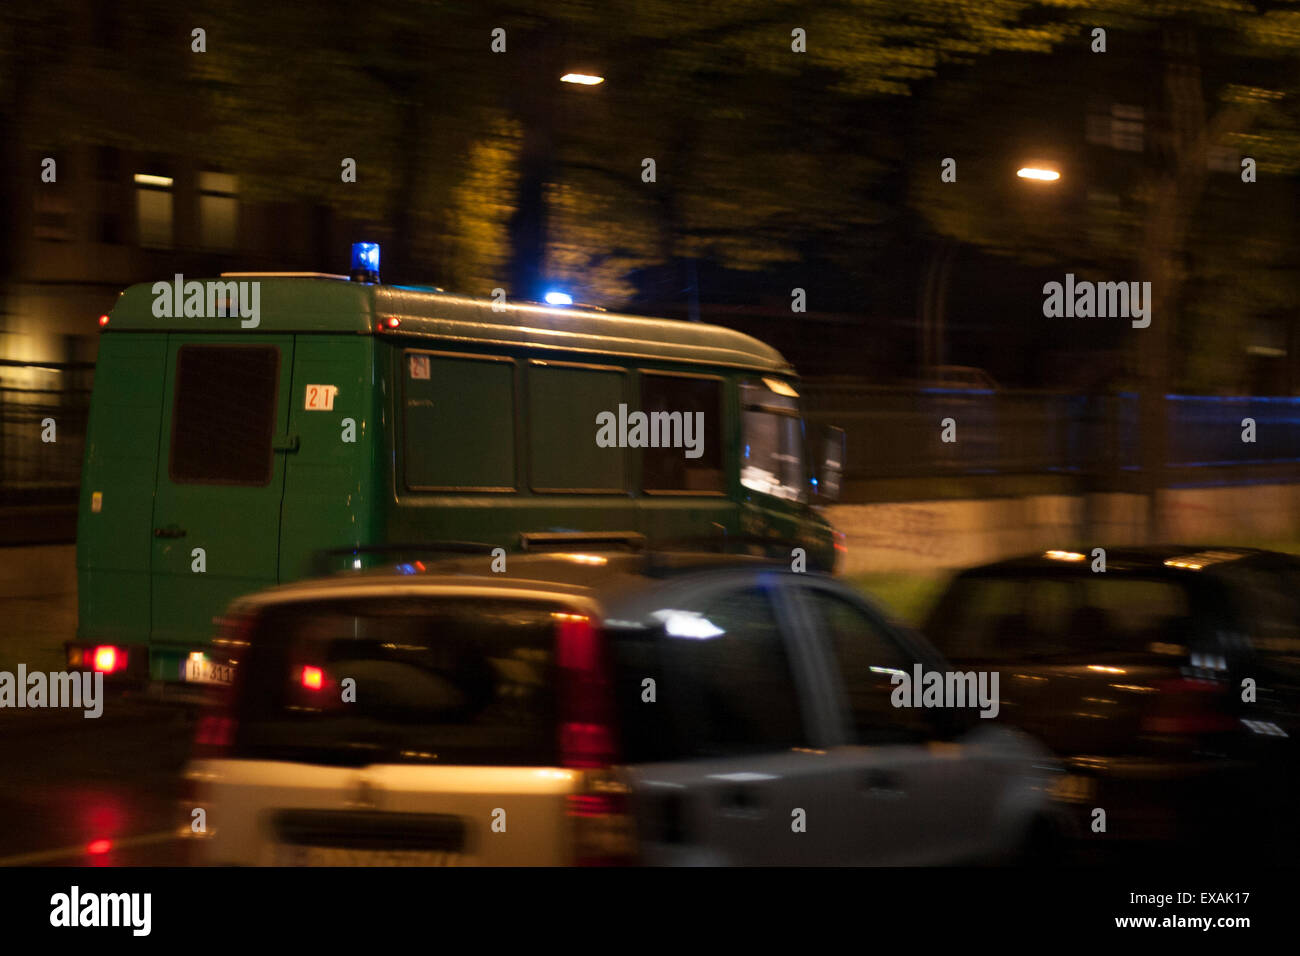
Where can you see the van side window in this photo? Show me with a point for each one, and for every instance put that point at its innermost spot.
(459, 427)
(223, 415)
(727, 679)
(684, 422)
(563, 402)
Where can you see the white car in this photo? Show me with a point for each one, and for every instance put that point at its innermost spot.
(596, 709)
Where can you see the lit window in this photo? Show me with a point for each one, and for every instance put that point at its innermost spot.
(153, 207)
(218, 211)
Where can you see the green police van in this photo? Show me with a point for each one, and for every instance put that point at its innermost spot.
(242, 427)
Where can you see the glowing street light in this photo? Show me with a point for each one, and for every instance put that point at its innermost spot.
(582, 79)
(1038, 174)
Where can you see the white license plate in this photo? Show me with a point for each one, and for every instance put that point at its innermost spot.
(292, 855)
(208, 672)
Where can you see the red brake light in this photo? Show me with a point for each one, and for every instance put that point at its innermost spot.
(313, 678)
(97, 847)
(108, 659)
(603, 832)
(1190, 706)
(215, 730)
(586, 710)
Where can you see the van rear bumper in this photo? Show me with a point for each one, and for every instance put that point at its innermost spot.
(145, 663)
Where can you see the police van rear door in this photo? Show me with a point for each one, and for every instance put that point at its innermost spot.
(219, 488)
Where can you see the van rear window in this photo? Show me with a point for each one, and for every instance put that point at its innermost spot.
(223, 417)
(445, 681)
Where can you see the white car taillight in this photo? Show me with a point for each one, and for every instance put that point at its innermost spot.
(598, 813)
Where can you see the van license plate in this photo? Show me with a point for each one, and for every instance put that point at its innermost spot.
(293, 855)
(208, 672)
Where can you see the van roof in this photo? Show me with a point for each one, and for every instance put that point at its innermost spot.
(320, 304)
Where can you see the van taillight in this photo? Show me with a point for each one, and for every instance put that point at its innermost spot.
(602, 827)
(108, 660)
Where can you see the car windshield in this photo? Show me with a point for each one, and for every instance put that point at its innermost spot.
(432, 681)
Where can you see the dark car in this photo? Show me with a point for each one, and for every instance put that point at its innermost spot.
(1141, 677)
(600, 707)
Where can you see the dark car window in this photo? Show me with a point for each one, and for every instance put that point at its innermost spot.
(868, 656)
(1138, 612)
(1003, 618)
(450, 681)
(727, 685)
(973, 619)
(1269, 603)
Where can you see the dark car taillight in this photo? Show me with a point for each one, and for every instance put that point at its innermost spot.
(1191, 706)
(598, 813)
(215, 733)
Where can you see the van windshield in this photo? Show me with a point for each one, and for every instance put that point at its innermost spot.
(399, 680)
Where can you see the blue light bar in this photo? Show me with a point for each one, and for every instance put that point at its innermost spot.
(365, 262)
(558, 298)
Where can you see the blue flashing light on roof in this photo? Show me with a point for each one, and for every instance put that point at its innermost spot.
(365, 262)
(558, 298)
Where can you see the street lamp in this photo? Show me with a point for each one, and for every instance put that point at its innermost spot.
(1039, 174)
(582, 79)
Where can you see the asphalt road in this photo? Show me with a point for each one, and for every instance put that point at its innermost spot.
(68, 784)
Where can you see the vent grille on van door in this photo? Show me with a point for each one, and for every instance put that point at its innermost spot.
(224, 414)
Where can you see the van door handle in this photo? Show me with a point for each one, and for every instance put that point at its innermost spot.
(171, 531)
(285, 443)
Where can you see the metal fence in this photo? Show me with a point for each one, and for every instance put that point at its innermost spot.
(898, 432)
(43, 411)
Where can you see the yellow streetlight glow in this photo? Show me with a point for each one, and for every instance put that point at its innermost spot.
(1038, 174)
(584, 79)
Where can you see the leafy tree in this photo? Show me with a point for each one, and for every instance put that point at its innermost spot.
(1212, 74)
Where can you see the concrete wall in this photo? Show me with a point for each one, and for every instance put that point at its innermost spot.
(942, 535)
(42, 571)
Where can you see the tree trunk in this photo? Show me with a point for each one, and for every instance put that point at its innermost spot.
(1164, 245)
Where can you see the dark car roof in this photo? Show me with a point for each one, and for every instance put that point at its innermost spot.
(608, 578)
(1148, 559)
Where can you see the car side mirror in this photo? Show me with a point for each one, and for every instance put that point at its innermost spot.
(830, 464)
